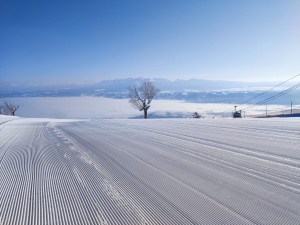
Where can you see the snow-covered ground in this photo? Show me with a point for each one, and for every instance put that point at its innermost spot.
(171, 171)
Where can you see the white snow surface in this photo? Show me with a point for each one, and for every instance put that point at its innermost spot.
(171, 171)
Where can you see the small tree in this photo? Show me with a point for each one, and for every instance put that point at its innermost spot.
(140, 98)
(10, 108)
(196, 115)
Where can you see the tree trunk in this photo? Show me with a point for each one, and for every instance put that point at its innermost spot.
(145, 113)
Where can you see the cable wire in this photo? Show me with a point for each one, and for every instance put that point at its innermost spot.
(273, 97)
(260, 94)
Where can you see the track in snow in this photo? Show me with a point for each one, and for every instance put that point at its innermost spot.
(150, 172)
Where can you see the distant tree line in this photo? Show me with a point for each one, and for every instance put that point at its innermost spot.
(8, 108)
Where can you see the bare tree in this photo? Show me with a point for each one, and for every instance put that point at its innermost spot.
(140, 98)
(10, 108)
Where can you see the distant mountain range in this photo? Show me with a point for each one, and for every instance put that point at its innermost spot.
(179, 85)
(193, 90)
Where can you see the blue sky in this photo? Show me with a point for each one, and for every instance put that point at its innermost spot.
(83, 41)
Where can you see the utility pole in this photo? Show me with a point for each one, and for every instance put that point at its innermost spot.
(291, 107)
(266, 111)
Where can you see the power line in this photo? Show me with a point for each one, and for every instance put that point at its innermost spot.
(269, 89)
(274, 96)
(256, 96)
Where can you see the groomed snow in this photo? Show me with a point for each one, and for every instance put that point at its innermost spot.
(171, 171)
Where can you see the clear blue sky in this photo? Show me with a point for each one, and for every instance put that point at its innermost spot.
(76, 41)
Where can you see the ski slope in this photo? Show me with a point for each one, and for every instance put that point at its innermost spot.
(222, 171)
